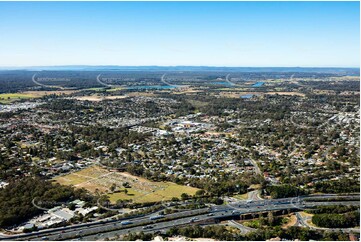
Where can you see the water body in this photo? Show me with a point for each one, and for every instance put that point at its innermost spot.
(222, 83)
(258, 84)
(150, 87)
(247, 96)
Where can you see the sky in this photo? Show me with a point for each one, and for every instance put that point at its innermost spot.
(238, 34)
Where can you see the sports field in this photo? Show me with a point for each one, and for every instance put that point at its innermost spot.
(95, 179)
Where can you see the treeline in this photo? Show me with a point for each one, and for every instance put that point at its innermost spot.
(333, 209)
(222, 233)
(114, 138)
(335, 86)
(343, 185)
(15, 81)
(282, 191)
(225, 185)
(346, 220)
(213, 232)
(16, 199)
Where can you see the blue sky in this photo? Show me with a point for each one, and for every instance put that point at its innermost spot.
(180, 33)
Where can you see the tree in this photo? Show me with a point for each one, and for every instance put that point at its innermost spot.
(184, 196)
(270, 218)
(113, 187)
(200, 193)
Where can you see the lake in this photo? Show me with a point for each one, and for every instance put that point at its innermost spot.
(150, 87)
(222, 83)
(258, 84)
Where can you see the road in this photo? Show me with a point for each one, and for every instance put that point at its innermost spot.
(254, 195)
(162, 79)
(43, 85)
(102, 83)
(302, 221)
(37, 83)
(241, 227)
(232, 83)
(104, 229)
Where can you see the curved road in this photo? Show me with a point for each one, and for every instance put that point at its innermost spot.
(232, 83)
(38, 83)
(102, 83)
(43, 85)
(169, 84)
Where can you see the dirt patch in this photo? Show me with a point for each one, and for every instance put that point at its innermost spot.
(292, 221)
(139, 189)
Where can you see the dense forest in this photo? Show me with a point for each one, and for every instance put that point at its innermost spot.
(16, 198)
(223, 233)
(345, 220)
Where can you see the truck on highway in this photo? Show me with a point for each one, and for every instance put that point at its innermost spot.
(125, 222)
(156, 217)
(147, 227)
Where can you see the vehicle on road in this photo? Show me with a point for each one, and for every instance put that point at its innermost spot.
(193, 220)
(147, 227)
(125, 222)
(210, 214)
(156, 217)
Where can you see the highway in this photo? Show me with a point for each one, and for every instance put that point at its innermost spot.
(43, 85)
(162, 79)
(112, 228)
(232, 83)
(102, 83)
(37, 83)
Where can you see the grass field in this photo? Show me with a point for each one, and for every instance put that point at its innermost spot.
(292, 220)
(11, 97)
(7, 98)
(113, 89)
(242, 196)
(95, 178)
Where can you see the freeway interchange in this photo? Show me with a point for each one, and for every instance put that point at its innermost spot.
(214, 213)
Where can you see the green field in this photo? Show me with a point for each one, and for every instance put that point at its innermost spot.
(94, 89)
(97, 179)
(242, 196)
(101, 89)
(11, 97)
(113, 89)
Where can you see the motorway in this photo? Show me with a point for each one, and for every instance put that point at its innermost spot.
(43, 85)
(102, 83)
(231, 83)
(113, 228)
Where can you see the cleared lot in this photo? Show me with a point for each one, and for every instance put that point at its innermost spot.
(97, 179)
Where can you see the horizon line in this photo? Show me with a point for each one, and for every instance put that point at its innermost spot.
(212, 66)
